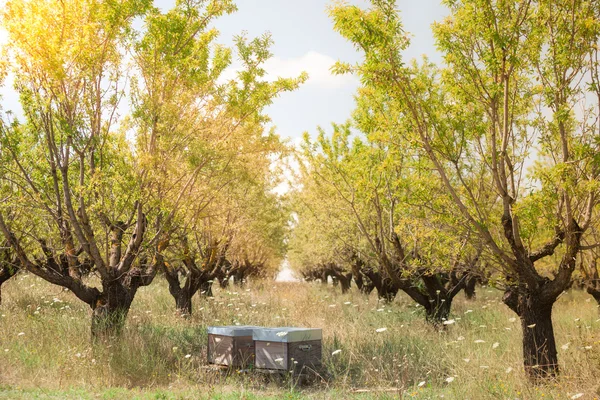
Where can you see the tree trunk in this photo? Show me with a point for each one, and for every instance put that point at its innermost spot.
(540, 357)
(387, 293)
(359, 281)
(439, 310)
(8, 268)
(324, 276)
(183, 302)
(367, 288)
(595, 292)
(206, 288)
(345, 282)
(539, 347)
(385, 289)
(5, 275)
(111, 309)
(469, 288)
(224, 282)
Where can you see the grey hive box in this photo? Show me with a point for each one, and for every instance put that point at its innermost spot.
(287, 348)
(231, 345)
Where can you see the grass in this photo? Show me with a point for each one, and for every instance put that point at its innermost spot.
(45, 349)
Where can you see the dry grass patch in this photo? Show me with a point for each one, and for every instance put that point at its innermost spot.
(45, 346)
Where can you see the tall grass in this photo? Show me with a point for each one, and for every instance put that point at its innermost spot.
(45, 346)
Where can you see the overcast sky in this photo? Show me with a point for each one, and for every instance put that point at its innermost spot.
(305, 41)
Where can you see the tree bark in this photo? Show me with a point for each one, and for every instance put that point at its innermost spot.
(469, 288)
(6, 274)
(439, 310)
(195, 279)
(111, 309)
(183, 303)
(540, 357)
(8, 266)
(595, 293)
(539, 346)
(385, 288)
(345, 282)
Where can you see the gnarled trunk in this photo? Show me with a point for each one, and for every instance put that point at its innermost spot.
(470, 283)
(539, 346)
(183, 303)
(386, 290)
(438, 310)
(540, 357)
(195, 279)
(5, 274)
(8, 266)
(111, 309)
(345, 282)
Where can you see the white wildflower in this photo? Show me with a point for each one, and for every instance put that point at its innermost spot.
(495, 345)
(450, 379)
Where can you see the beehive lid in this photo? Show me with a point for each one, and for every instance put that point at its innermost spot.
(287, 334)
(232, 330)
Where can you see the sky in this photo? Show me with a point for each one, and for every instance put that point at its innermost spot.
(304, 40)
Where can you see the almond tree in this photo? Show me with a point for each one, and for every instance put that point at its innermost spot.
(514, 73)
(99, 190)
(381, 190)
(67, 161)
(203, 137)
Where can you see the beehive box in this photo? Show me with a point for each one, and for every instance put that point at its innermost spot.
(287, 348)
(231, 345)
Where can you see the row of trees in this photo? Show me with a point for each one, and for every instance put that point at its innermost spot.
(486, 165)
(134, 154)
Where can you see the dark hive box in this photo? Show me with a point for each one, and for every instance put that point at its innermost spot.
(231, 345)
(287, 348)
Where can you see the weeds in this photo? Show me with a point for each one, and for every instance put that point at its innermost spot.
(45, 346)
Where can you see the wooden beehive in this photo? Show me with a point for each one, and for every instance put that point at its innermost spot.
(287, 348)
(231, 345)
